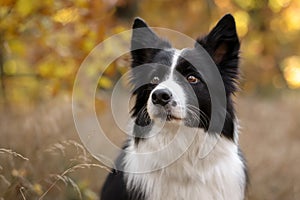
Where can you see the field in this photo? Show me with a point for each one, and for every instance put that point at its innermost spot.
(41, 156)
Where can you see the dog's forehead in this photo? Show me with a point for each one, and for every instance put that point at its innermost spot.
(173, 61)
(163, 63)
(188, 61)
(165, 57)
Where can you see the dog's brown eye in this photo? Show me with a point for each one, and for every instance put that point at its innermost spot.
(155, 80)
(192, 79)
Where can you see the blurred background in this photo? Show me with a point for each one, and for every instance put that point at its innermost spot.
(43, 43)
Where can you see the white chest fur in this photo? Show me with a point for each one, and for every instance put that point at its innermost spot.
(218, 175)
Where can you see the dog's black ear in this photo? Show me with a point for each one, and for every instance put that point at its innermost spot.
(222, 42)
(223, 45)
(145, 43)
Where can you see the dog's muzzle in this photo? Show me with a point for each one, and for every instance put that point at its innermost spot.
(165, 104)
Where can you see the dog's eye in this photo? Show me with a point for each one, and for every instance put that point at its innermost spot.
(192, 79)
(155, 80)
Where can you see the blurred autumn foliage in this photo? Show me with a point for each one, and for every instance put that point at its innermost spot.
(42, 43)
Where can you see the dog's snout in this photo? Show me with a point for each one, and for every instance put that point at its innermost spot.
(161, 96)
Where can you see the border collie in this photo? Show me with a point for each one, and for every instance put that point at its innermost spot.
(173, 102)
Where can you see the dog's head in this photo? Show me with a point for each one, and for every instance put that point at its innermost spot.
(169, 87)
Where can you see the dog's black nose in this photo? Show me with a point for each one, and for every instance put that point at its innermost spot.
(161, 96)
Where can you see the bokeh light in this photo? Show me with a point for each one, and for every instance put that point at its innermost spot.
(242, 21)
(291, 67)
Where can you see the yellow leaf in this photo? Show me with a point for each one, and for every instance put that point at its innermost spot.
(66, 15)
(105, 82)
(64, 70)
(38, 189)
(25, 7)
(17, 46)
(46, 68)
(10, 67)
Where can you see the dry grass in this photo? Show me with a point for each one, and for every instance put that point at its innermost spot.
(41, 156)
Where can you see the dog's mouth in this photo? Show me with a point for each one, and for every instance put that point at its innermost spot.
(171, 117)
(167, 114)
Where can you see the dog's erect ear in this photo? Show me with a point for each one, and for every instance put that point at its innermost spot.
(144, 43)
(223, 45)
(139, 23)
(222, 41)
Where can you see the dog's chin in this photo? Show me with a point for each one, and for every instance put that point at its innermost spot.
(165, 113)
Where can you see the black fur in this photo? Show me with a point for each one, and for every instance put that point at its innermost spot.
(114, 187)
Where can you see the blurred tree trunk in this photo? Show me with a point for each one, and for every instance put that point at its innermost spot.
(2, 67)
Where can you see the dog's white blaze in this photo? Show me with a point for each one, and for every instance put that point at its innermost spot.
(174, 62)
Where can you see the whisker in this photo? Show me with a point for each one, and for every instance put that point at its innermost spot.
(197, 114)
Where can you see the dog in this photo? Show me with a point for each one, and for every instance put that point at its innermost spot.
(173, 98)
